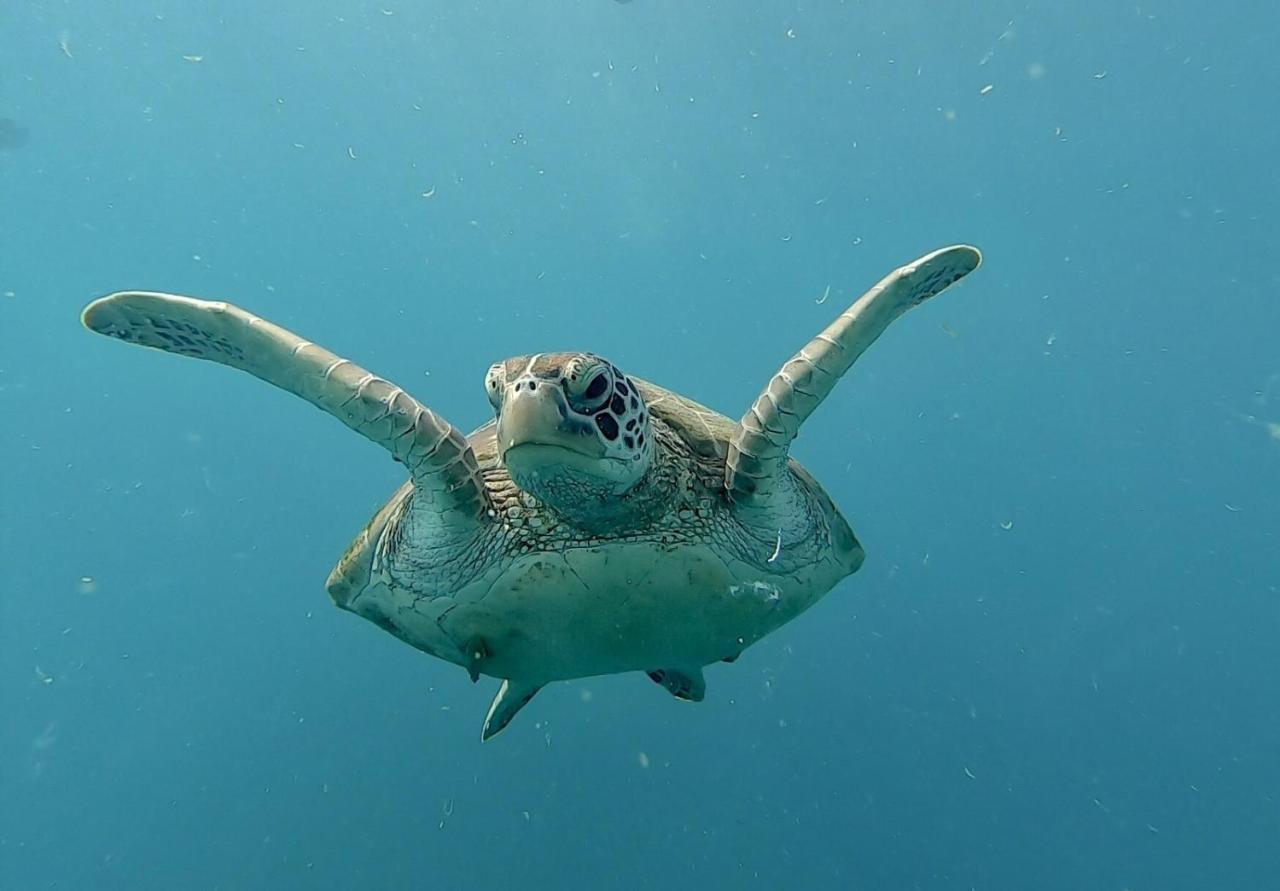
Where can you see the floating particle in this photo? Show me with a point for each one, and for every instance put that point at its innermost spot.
(987, 89)
(1271, 427)
(643, 759)
(87, 585)
(193, 58)
(1006, 525)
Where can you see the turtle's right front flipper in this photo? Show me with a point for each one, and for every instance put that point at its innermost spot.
(757, 479)
(436, 453)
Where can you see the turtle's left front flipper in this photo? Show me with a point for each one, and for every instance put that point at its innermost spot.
(756, 477)
(436, 453)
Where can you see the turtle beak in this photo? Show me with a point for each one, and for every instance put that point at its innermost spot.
(535, 413)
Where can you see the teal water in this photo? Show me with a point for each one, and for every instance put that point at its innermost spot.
(1057, 669)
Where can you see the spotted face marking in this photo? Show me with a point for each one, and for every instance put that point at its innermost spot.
(569, 421)
(598, 388)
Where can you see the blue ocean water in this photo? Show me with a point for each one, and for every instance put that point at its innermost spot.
(1057, 669)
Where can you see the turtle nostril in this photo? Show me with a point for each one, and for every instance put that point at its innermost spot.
(533, 385)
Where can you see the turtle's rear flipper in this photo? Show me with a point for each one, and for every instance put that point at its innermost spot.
(687, 685)
(512, 696)
(756, 476)
(435, 452)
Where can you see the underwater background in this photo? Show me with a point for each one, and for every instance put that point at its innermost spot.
(1058, 668)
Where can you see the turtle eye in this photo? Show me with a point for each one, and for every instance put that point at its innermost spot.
(493, 386)
(596, 388)
(589, 390)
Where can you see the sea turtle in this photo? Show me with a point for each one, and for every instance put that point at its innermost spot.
(599, 524)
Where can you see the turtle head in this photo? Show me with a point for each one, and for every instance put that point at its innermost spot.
(572, 429)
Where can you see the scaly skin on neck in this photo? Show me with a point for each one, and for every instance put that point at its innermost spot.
(581, 500)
